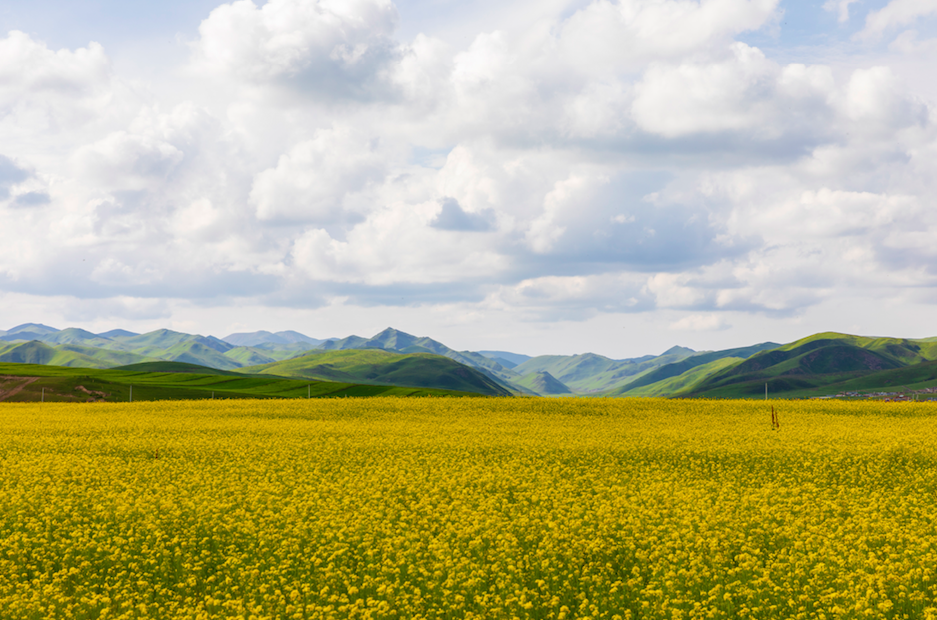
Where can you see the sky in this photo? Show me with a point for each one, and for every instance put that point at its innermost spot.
(541, 177)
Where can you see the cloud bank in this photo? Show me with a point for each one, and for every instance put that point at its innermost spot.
(617, 159)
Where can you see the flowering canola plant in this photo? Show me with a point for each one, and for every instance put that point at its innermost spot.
(468, 508)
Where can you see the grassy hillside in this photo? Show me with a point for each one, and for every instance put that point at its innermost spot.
(249, 356)
(73, 335)
(506, 376)
(591, 373)
(684, 382)
(155, 342)
(543, 383)
(163, 366)
(506, 358)
(198, 353)
(283, 351)
(278, 339)
(35, 352)
(32, 328)
(22, 336)
(31, 383)
(351, 342)
(103, 358)
(677, 369)
(384, 367)
(903, 351)
(815, 364)
(915, 377)
(117, 333)
(395, 340)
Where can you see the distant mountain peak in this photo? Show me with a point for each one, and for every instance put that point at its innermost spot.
(678, 349)
(287, 337)
(543, 383)
(393, 332)
(38, 328)
(118, 333)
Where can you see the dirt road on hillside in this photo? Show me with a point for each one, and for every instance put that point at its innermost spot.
(6, 393)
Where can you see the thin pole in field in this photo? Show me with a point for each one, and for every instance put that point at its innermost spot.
(766, 391)
(43, 395)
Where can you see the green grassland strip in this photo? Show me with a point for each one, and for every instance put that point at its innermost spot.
(65, 384)
(916, 377)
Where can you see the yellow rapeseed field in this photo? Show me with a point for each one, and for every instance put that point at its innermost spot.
(468, 508)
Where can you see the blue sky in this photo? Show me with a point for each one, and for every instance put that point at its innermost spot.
(544, 177)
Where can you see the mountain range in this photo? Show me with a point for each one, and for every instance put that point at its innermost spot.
(813, 365)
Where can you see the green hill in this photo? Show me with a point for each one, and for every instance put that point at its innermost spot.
(73, 335)
(684, 382)
(117, 333)
(384, 367)
(812, 363)
(543, 383)
(591, 373)
(677, 369)
(32, 328)
(283, 351)
(351, 342)
(103, 358)
(395, 340)
(249, 356)
(915, 377)
(506, 358)
(173, 381)
(198, 353)
(35, 352)
(253, 339)
(155, 342)
(162, 366)
(22, 336)
(901, 350)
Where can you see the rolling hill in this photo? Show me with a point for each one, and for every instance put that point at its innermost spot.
(198, 353)
(589, 373)
(102, 358)
(22, 336)
(582, 374)
(176, 367)
(384, 367)
(32, 328)
(173, 381)
(815, 364)
(392, 339)
(913, 377)
(679, 368)
(543, 383)
(80, 348)
(165, 339)
(73, 335)
(117, 333)
(264, 337)
(249, 356)
(677, 384)
(35, 352)
(505, 358)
